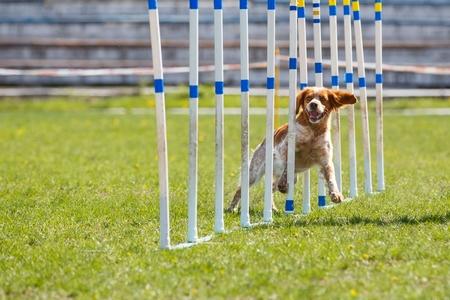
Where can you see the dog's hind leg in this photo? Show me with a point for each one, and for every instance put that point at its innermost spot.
(235, 201)
(256, 171)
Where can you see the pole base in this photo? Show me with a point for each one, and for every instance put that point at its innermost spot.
(322, 201)
(289, 206)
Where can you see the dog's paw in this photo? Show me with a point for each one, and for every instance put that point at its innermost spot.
(283, 188)
(336, 197)
(230, 210)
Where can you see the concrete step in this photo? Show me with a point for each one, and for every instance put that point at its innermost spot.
(178, 56)
(395, 31)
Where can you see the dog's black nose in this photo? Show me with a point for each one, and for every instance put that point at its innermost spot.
(313, 105)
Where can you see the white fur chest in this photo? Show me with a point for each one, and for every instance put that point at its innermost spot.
(303, 134)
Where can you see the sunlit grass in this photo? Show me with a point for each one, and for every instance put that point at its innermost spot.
(79, 211)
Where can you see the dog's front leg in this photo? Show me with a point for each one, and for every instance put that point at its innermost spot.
(282, 183)
(327, 170)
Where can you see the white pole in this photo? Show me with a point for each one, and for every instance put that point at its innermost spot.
(193, 120)
(164, 230)
(351, 108)
(303, 66)
(218, 74)
(270, 109)
(245, 197)
(362, 96)
(379, 92)
(336, 126)
(319, 80)
(289, 205)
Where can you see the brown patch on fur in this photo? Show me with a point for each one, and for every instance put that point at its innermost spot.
(331, 99)
(280, 133)
(339, 98)
(302, 118)
(300, 99)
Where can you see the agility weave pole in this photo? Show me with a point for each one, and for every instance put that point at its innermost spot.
(219, 226)
(289, 205)
(300, 28)
(268, 195)
(303, 65)
(245, 100)
(297, 49)
(362, 96)
(335, 121)
(351, 109)
(378, 7)
(155, 37)
(193, 121)
(318, 75)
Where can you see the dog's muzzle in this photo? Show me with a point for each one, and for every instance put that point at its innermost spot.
(315, 113)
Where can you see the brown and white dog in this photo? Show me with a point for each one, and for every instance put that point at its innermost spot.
(313, 142)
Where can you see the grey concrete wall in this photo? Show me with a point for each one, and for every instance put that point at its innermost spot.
(35, 34)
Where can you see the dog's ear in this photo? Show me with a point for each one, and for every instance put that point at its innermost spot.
(340, 98)
(300, 100)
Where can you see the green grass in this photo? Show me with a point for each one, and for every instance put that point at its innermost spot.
(79, 212)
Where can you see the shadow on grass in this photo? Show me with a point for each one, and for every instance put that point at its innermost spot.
(358, 220)
(283, 221)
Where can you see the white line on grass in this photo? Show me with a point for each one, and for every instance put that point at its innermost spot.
(208, 238)
(260, 111)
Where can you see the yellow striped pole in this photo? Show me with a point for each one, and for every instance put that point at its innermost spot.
(362, 96)
(378, 7)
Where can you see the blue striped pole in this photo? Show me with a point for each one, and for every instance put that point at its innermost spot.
(193, 121)
(362, 96)
(267, 217)
(164, 229)
(303, 66)
(379, 92)
(289, 204)
(319, 81)
(218, 74)
(245, 188)
(351, 108)
(336, 127)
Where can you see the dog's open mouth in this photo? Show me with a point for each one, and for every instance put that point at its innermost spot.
(315, 116)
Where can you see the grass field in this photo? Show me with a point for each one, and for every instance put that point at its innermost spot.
(79, 211)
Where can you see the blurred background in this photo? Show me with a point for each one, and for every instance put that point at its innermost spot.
(105, 45)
